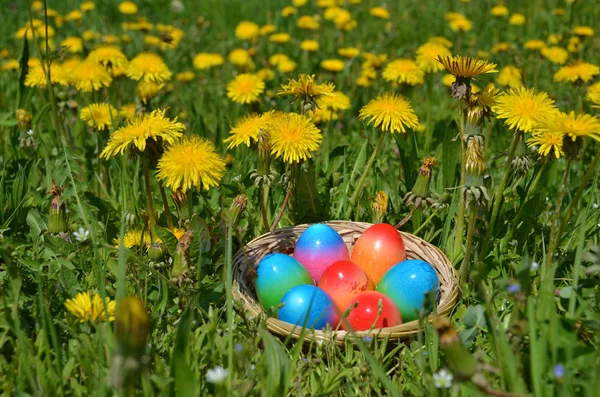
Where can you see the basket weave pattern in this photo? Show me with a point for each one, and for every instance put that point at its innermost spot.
(283, 240)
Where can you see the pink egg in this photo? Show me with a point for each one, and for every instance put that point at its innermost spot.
(319, 247)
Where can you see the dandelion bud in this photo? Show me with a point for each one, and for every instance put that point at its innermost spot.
(181, 260)
(57, 219)
(380, 204)
(264, 153)
(156, 251)
(459, 360)
(421, 187)
(475, 163)
(180, 198)
(132, 325)
(23, 119)
(239, 204)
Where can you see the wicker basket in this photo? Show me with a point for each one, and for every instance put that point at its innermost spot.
(284, 240)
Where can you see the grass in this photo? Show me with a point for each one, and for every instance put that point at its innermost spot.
(528, 317)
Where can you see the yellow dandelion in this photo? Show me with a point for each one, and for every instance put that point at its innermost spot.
(73, 44)
(135, 238)
(499, 10)
(448, 79)
(548, 142)
(205, 60)
(190, 162)
(286, 66)
(87, 6)
(36, 77)
(128, 8)
(148, 90)
(148, 66)
(576, 125)
(247, 31)
(306, 88)
(336, 101)
(380, 202)
(280, 38)
(461, 24)
(593, 94)
(380, 12)
(287, 11)
(245, 88)
(333, 65)
(293, 137)
(240, 57)
(11, 64)
(265, 74)
(99, 115)
(299, 3)
(309, 45)
(428, 54)
(349, 52)
(517, 19)
(441, 41)
(74, 15)
(500, 47)
(524, 109)
(88, 308)
(89, 76)
(136, 132)
(247, 130)
(307, 22)
(556, 55)
(577, 71)
(267, 29)
(583, 31)
(509, 76)
(127, 111)
(534, 44)
(464, 66)
(391, 112)
(403, 71)
(574, 44)
(109, 56)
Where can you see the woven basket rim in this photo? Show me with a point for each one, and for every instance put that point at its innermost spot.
(248, 257)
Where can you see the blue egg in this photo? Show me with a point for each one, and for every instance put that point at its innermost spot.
(276, 275)
(408, 283)
(307, 305)
(319, 247)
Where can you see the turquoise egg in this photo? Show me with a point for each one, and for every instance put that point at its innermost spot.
(308, 305)
(276, 275)
(408, 283)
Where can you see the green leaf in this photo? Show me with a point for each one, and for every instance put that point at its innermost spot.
(450, 155)
(185, 379)
(168, 239)
(23, 70)
(474, 317)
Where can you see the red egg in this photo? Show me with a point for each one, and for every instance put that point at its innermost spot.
(366, 313)
(378, 249)
(343, 280)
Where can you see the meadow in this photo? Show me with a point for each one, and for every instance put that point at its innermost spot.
(144, 143)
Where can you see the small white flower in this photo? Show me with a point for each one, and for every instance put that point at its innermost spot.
(81, 234)
(30, 132)
(443, 379)
(595, 205)
(547, 198)
(216, 375)
(534, 266)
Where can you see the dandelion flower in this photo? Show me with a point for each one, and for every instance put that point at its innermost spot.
(87, 308)
(556, 55)
(349, 52)
(240, 57)
(265, 74)
(428, 54)
(148, 90)
(287, 11)
(192, 161)
(593, 94)
(73, 44)
(576, 125)
(205, 60)
(380, 12)
(36, 77)
(127, 111)
(336, 101)
(128, 8)
(390, 111)
(583, 31)
(280, 38)
(267, 29)
(99, 115)
(89, 76)
(403, 71)
(534, 44)
(245, 88)
(307, 22)
(306, 88)
(134, 239)
(110, 56)
(499, 10)
(500, 47)
(286, 66)
(578, 70)
(148, 66)
(461, 24)
(517, 19)
(145, 126)
(11, 64)
(524, 109)
(247, 30)
(333, 65)
(549, 142)
(309, 45)
(464, 66)
(247, 130)
(509, 76)
(293, 137)
(185, 77)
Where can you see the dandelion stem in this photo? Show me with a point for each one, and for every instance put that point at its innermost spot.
(229, 300)
(556, 216)
(168, 214)
(283, 205)
(530, 190)
(460, 220)
(263, 205)
(498, 194)
(149, 202)
(464, 269)
(365, 172)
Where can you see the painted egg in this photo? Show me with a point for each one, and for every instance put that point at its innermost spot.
(309, 306)
(319, 247)
(407, 284)
(276, 275)
(379, 248)
(366, 313)
(343, 281)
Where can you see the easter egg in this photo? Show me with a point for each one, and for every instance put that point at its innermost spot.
(276, 275)
(343, 281)
(319, 247)
(407, 284)
(308, 305)
(379, 248)
(366, 312)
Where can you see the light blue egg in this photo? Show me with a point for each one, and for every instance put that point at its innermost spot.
(408, 283)
(308, 305)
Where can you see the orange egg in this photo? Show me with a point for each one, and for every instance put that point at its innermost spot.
(379, 248)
